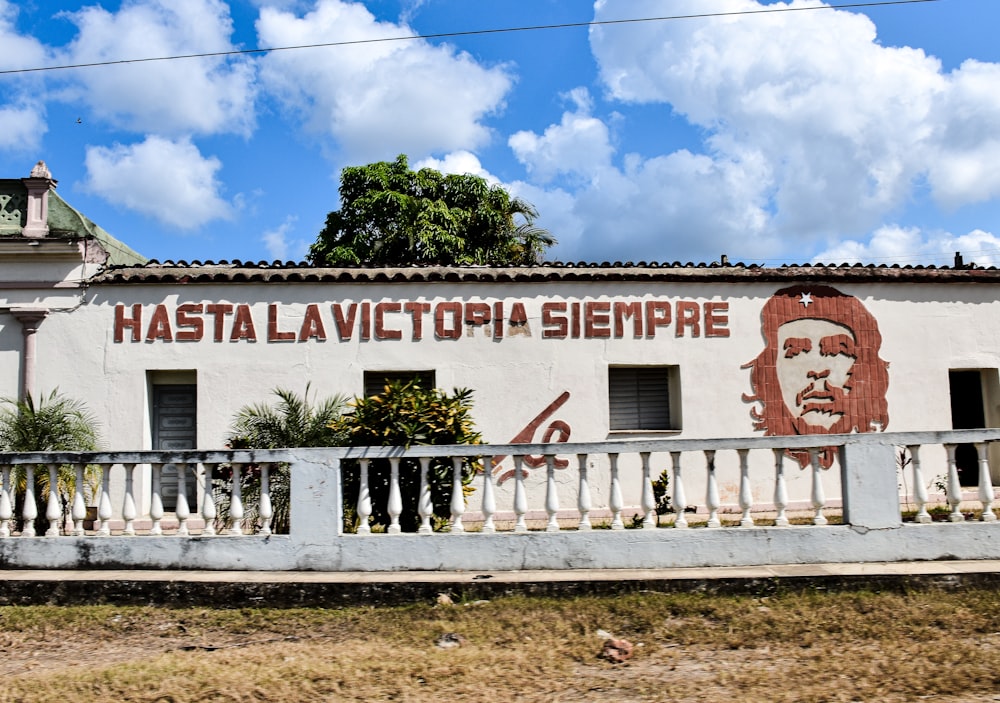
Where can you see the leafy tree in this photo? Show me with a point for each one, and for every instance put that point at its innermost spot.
(293, 422)
(392, 216)
(402, 415)
(55, 424)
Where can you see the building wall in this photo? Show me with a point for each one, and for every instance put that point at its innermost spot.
(519, 368)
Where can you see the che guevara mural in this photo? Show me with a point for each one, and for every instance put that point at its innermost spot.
(820, 371)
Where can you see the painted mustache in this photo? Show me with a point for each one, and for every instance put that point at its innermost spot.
(827, 399)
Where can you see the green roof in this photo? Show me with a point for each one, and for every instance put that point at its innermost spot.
(65, 222)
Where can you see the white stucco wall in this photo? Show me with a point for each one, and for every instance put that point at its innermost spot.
(926, 330)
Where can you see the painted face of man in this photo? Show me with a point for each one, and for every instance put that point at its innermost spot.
(814, 363)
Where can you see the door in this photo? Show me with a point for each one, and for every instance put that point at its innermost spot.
(175, 426)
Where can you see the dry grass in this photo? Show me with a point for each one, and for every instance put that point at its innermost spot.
(796, 647)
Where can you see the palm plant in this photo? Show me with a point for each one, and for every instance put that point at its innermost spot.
(55, 424)
(293, 421)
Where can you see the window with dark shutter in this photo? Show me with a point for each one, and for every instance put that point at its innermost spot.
(639, 398)
(375, 381)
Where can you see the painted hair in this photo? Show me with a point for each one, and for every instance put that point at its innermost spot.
(865, 408)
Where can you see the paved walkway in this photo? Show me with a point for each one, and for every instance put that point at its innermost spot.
(307, 588)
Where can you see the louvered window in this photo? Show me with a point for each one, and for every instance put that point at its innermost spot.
(375, 381)
(639, 398)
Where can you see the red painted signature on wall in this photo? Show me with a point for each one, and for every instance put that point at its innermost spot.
(558, 431)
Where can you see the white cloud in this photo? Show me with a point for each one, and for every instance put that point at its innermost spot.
(457, 162)
(573, 146)
(908, 245)
(22, 128)
(410, 8)
(186, 96)
(822, 130)
(22, 115)
(380, 99)
(281, 246)
(680, 206)
(168, 180)
(964, 157)
(17, 50)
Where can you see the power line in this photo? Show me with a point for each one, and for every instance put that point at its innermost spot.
(469, 33)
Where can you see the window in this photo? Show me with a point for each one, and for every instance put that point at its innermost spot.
(643, 398)
(375, 381)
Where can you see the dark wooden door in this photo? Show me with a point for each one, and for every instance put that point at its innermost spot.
(175, 426)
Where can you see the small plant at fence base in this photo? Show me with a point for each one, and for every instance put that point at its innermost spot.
(402, 415)
(660, 496)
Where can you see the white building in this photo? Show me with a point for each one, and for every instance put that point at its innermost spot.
(166, 353)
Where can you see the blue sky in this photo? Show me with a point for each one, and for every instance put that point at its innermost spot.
(819, 135)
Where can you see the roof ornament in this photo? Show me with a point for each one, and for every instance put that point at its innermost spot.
(41, 171)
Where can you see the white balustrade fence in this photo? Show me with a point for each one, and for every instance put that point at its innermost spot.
(577, 488)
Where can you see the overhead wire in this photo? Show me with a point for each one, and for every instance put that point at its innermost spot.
(468, 33)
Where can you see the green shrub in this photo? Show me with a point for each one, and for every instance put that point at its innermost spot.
(405, 414)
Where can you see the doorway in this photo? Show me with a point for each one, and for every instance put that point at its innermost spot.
(968, 412)
(175, 426)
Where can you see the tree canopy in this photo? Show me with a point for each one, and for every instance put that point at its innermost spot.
(393, 216)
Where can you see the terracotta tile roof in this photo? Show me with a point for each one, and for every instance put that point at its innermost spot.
(182, 272)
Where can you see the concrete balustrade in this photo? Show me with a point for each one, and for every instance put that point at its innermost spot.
(493, 528)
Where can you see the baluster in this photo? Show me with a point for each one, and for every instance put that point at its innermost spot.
(182, 511)
(680, 499)
(208, 508)
(954, 487)
(104, 503)
(648, 501)
(364, 498)
(780, 489)
(53, 510)
(29, 510)
(712, 501)
(818, 497)
(425, 505)
(919, 487)
(457, 495)
(156, 500)
(583, 496)
(746, 492)
(551, 494)
(79, 510)
(489, 506)
(236, 511)
(266, 509)
(520, 498)
(615, 500)
(6, 508)
(985, 483)
(395, 507)
(128, 506)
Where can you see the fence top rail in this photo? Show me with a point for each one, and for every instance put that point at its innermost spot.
(621, 446)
